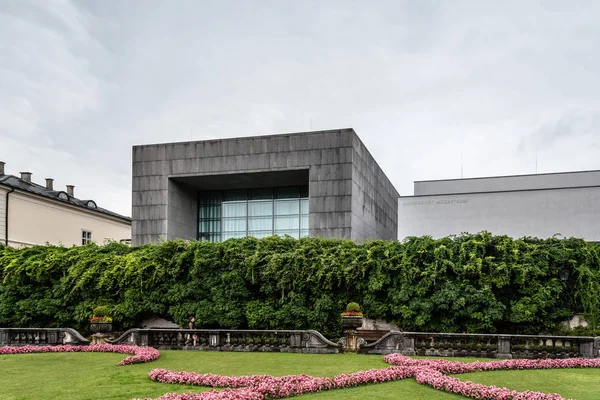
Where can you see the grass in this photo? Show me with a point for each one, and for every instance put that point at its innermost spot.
(579, 384)
(85, 376)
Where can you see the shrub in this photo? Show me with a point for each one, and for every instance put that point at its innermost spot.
(100, 311)
(469, 283)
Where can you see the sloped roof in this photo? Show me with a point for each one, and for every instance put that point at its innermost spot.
(58, 195)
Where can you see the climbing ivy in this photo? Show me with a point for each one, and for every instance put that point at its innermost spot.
(467, 283)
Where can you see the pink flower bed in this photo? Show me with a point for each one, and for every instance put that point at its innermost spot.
(139, 354)
(433, 373)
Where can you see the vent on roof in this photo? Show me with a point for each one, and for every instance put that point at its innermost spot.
(50, 183)
(71, 190)
(2, 163)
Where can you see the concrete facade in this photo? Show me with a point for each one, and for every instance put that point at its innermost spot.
(539, 205)
(349, 195)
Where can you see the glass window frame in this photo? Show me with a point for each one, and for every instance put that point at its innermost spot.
(217, 199)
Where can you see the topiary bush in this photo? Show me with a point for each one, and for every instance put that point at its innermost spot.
(100, 311)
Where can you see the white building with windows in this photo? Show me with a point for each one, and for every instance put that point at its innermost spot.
(540, 205)
(32, 214)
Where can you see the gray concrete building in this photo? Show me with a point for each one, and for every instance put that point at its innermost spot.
(318, 184)
(539, 205)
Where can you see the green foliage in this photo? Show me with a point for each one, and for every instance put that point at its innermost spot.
(100, 311)
(468, 283)
(353, 307)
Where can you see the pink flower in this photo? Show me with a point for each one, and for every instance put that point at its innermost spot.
(428, 372)
(139, 354)
(434, 373)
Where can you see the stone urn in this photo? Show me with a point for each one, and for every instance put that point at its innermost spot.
(100, 327)
(352, 321)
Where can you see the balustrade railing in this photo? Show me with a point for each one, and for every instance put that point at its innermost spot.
(286, 341)
(40, 337)
(310, 341)
(482, 345)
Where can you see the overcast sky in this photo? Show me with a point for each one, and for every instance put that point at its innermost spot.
(421, 82)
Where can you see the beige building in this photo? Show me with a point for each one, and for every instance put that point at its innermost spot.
(32, 214)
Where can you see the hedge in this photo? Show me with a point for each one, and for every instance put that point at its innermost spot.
(467, 283)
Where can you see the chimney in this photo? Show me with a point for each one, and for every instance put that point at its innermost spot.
(50, 183)
(71, 190)
(2, 163)
(26, 176)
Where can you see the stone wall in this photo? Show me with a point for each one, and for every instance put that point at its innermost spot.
(166, 178)
(374, 198)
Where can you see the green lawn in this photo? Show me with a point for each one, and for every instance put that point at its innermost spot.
(96, 376)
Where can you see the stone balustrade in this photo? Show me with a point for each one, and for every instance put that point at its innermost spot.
(310, 341)
(285, 341)
(482, 345)
(40, 337)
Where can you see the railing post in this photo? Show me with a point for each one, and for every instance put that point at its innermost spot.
(503, 347)
(586, 349)
(408, 346)
(296, 340)
(143, 338)
(3, 338)
(596, 351)
(53, 337)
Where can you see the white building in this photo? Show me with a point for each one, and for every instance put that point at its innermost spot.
(32, 214)
(539, 205)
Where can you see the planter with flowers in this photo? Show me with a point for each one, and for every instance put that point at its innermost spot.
(100, 322)
(352, 318)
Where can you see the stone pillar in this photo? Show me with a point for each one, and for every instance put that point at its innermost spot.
(134, 338)
(596, 347)
(586, 349)
(503, 347)
(53, 337)
(351, 344)
(296, 340)
(408, 346)
(4, 338)
(143, 339)
(100, 338)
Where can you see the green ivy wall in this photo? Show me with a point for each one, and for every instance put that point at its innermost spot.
(469, 283)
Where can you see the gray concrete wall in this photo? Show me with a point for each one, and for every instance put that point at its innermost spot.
(164, 209)
(349, 196)
(182, 211)
(505, 183)
(374, 198)
(540, 213)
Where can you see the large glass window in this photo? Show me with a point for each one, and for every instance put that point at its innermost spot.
(253, 212)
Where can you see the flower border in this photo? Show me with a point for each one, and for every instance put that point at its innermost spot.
(138, 354)
(433, 373)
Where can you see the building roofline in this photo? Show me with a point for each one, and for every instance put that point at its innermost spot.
(508, 176)
(288, 134)
(500, 191)
(249, 137)
(44, 193)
